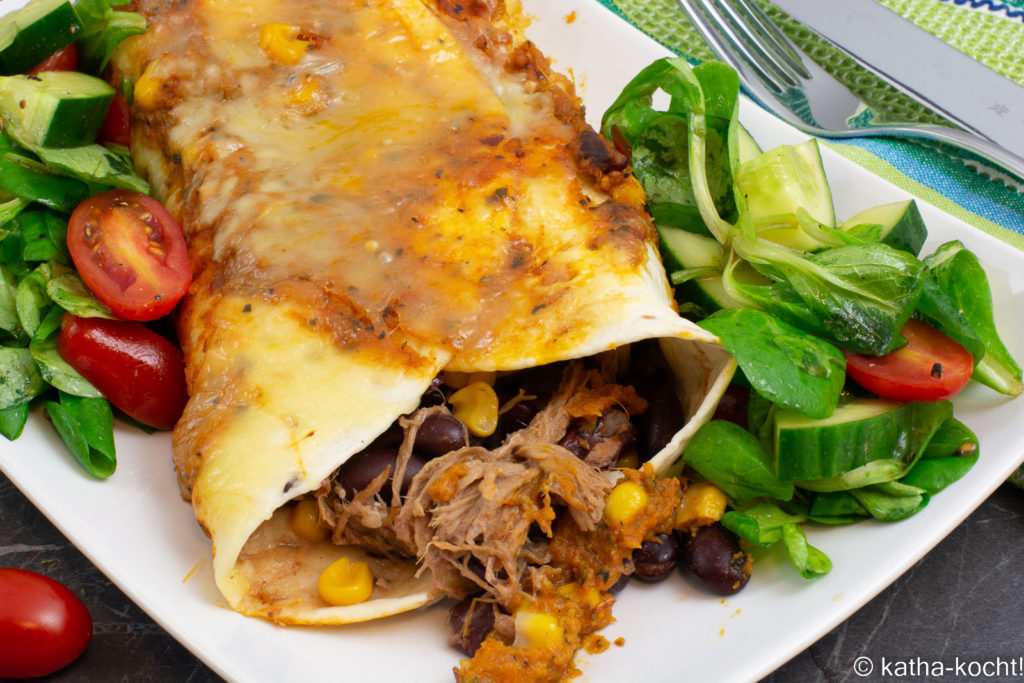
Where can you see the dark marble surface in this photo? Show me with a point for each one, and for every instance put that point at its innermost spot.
(963, 600)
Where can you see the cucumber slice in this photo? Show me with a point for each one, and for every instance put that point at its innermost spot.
(34, 32)
(784, 179)
(898, 224)
(679, 216)
(55, 108)
(748, 147)
(684, 250)
(858, 432)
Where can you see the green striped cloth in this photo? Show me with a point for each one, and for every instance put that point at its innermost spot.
(991, 32)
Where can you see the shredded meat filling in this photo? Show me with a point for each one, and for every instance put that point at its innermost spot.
(482, 518)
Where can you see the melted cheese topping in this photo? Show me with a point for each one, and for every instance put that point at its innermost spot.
(371, 190)
(438, 188)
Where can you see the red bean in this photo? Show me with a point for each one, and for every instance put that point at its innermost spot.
(713, 555)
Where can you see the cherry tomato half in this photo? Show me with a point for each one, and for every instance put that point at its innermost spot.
(64, 59)
(43, 625)
(117, 125)
(930, 367)
(130, 252)
(135, 368)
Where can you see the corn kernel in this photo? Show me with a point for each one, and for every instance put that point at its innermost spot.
(631, 458)
(585, 595)
(345, 582)
(476, 405)
(281, 43)
(536, 629)
(458, 380)
(146, 93)
(305, 521)
(703, 504)
(308, 91)
(624, 502)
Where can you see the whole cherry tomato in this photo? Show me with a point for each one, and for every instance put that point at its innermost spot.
(43, 625)
(930, 367)
(64, 59)
(130, 252)
(117, 125)
(135, 368)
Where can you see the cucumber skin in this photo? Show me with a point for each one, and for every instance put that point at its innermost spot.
(818, 452)
(902, 228)
(81, 122)
(54, 109)
(681, 249)
(40, 38)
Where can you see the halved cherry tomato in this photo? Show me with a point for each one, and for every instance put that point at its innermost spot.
(135, 368)
(117, 126)
(130, 252)
(43, 625)
(930, 367)
(64, 59)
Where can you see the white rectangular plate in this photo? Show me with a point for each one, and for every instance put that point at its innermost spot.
(138, 531)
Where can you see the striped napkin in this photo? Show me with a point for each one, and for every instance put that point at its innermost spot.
(991, 32)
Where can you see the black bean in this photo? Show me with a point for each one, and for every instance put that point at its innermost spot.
(518, 416)
(540, 381)
(357, 473)
(655, 559)
(477, 567)
(601, 441)
(577, 438)
(440, 433)
(436, 394)
(660, 422)
(617, 587)
(733, 405)
(713, 554)
(471, 620)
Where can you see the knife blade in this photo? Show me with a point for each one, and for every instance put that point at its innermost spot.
(931, 71)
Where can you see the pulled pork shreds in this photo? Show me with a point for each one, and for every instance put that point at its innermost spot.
(471, 516)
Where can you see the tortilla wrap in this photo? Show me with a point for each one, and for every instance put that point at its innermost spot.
(410, 190)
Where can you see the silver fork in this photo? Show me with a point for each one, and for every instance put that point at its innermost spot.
(786, 82)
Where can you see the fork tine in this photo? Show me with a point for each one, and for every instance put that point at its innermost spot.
(753, 39)
(781, 48)
(721, 34)
(787, 82)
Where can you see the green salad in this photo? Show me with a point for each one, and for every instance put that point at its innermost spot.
(50, 163)
(849, 342)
